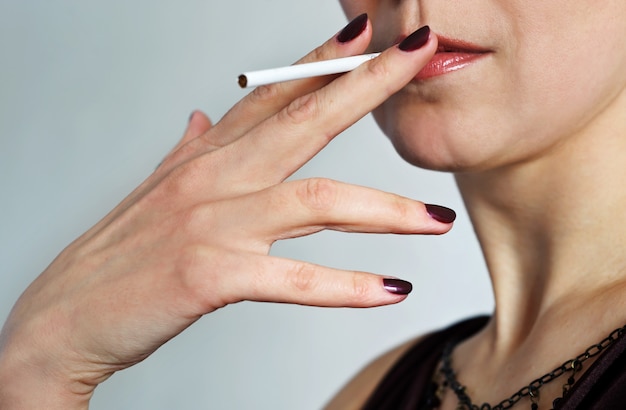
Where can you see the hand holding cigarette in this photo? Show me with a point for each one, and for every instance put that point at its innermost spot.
(195, 235)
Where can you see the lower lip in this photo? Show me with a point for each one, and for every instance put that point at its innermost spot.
(444, 63)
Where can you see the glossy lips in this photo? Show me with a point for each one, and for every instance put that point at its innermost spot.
(451, 55)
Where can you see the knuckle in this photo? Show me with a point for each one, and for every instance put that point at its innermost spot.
(379, 67)
(319, 53)
(265, 93)
(402, 209)
(303, 277)
(194, 219)
(302, 109)
(360, 289)
(208, 142)
(195, 271)
(186, 178)
(317, 194)
(179, 182)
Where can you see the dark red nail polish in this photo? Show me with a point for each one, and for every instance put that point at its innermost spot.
(397, 286)
(441, 213)
(415, 40)
(353, 29)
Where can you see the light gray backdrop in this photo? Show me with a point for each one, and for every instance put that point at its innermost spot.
(93, 94)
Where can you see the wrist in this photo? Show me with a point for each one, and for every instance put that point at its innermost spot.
(30, 384)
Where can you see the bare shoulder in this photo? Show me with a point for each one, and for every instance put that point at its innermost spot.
(355, 393)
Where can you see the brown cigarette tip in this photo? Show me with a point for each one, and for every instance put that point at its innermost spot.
(243, 81)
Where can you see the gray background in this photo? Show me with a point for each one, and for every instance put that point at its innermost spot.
(92, 95)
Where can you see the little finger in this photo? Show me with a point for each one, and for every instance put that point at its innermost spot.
(272, 279)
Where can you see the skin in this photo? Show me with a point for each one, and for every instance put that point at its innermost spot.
(164, 257)
(535, 134)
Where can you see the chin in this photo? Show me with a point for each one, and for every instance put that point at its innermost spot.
(451, 137)
(428, 156)
(428, 142)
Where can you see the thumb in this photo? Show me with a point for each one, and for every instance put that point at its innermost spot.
(198, 124)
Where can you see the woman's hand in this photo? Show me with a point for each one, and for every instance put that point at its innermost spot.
(195, 235)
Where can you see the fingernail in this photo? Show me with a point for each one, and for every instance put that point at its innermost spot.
(441, 213)
(353, 29)
(415, 40)
(397, 286)
(191, 116)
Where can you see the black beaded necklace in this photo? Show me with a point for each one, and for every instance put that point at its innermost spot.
(572, 366)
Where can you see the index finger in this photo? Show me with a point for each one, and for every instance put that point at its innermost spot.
(267, 100)
(283, 143)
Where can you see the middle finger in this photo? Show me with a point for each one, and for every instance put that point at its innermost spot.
(279, 146)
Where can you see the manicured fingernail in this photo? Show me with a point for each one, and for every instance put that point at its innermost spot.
(441, 213)
(415, 40)
(397, 286)
(353, 29)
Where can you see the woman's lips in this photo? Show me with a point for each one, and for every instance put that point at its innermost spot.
(451, 55)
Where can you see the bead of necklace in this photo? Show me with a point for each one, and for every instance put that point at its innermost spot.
(573, 367)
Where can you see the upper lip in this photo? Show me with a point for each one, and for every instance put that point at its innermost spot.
(451, 45)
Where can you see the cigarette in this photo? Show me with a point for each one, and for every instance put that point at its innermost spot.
(298, 71)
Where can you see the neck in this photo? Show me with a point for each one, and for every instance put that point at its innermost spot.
(552, 229)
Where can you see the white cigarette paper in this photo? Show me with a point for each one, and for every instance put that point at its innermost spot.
(298, 71)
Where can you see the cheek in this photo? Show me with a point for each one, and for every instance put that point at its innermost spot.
(567, 70)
